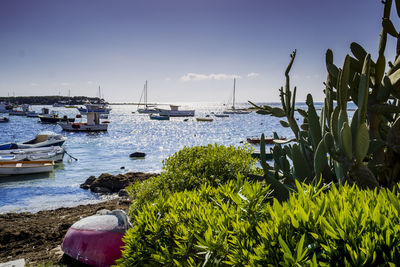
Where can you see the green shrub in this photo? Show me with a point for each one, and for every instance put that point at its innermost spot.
(191, 167)
(237, 224)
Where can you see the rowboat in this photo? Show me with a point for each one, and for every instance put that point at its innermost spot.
(97, 240)
(204, 119)
(41, 140)
(25, 167)
(54, 153)
(4, 119)
(160, 118)
(221, 115)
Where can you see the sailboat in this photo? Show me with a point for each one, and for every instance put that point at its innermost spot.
(233, 110)
(147, 109)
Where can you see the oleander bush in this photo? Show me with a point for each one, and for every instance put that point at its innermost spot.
(238, 223)
(191, 167)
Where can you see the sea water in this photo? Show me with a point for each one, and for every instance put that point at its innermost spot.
(108, 152)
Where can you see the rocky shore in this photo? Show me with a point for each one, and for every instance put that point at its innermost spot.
(36, 237)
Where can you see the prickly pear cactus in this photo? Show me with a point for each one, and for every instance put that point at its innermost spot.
(363, 149)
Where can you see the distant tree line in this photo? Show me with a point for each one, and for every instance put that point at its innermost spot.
(50, 100)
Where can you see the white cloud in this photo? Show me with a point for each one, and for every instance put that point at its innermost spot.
(253, 75)
(200, 77)
(65, 84)
(89, 82)
(167, 79)
(33, 84)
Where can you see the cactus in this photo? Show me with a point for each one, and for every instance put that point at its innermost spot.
(364, 150)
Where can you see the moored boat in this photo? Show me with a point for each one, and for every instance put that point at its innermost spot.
(221, 115)
(233, 110)
(148, 109)
(98, 108)
(204, 119)
(25, 167)
(54, 153)
(92, 124)
(54, 118)
(4, 119)
(41, 140)
(97, 240)
(160, 118)
(175, 112)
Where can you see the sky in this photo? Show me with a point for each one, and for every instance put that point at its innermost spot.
(187, 50)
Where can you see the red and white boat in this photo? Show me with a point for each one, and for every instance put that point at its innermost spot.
(97, 240)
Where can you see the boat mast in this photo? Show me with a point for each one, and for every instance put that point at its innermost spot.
(234, 88)
(145, 95)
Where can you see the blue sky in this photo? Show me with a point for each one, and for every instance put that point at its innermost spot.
(188, 50)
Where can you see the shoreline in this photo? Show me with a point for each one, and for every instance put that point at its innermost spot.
(37, 237)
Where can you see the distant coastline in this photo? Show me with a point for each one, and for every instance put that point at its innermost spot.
(50, 100)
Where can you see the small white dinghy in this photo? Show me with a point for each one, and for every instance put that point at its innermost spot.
(25, 167)
(55, 153)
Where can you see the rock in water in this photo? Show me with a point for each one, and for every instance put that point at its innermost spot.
(138, 155)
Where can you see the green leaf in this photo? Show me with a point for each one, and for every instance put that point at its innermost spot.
(358, 51)
(362, 142)
(284, 124)
(320, 159)
(389, 27)
(346, 139)
(363, 90)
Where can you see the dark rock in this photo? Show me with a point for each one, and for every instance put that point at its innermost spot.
(101, 190)
(88, 182)
(122, 168)
(114, 183)
(122, 193)
(138, 155)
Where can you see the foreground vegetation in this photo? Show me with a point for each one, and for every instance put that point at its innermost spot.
(240, 224)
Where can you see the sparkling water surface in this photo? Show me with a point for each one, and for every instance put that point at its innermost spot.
(98, 153)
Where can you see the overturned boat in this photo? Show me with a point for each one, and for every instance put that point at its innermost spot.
(97, 240)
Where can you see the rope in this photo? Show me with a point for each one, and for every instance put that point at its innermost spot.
(72, 157)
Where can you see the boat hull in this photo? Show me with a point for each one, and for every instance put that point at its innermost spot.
(82, 127)
(25, 167)
(238, 112)
(160, 118)
(54, 153)
(95, 240)
(204, 119)
(45, 119)
(177, 113)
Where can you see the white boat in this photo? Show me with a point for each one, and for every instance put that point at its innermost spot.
(234, 110)
(55, 153)
(92, 123)
(221, 115)
(41, 140)
(25, 167)
(20, 111)
(4, 119)
(147, 108)
(98, 108)
(175, 112)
